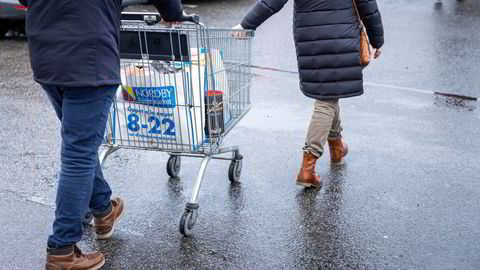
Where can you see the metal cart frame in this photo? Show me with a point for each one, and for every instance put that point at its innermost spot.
(236, 56)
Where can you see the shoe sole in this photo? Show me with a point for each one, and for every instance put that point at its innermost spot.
(109, 234)
(303, 184)
(98, 266)
(307, 185)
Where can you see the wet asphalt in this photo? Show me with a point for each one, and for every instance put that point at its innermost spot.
(407, 197)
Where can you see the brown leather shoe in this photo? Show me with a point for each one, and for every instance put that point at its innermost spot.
(104, 226)
(72, 258)
(307, 176)
(338, 150)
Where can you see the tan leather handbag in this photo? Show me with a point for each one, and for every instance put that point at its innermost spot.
(365, 47)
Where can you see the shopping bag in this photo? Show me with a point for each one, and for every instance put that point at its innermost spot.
(162, 105)
(214, 75)
(158, 109)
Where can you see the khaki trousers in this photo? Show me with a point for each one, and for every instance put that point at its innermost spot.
(325, 124)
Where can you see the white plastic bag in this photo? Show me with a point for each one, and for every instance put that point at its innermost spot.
(162, 106)
(159, 110)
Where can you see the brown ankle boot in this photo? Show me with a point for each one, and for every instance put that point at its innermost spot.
(338, 150)
(307, 176)
(104, 226)
(72, 258)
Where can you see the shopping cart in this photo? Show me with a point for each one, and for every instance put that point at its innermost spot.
(184, 88)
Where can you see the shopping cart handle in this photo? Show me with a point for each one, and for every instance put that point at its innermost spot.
(147, 17)
(153, 17)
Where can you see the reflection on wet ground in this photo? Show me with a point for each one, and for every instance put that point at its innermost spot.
(455, 102)
(460, 7)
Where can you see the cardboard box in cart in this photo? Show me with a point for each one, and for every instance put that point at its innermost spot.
(161, 105)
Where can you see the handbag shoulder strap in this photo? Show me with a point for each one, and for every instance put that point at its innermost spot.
(358, 14)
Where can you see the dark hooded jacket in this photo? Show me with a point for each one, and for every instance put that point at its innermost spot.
(75, 43)
(327, 40)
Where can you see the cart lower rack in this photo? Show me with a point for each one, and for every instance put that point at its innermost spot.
(184, 88)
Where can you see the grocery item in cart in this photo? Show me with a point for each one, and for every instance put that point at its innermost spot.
(214, 113)
(218, 76)
(160, 108)
(159, 104)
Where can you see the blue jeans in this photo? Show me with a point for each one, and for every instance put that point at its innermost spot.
(83, 114)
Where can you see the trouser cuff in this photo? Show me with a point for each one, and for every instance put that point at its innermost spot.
(60, 251)
(334, 135)
(103, 213)
(313, 151)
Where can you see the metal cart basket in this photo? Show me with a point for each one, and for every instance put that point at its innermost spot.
(184, 88)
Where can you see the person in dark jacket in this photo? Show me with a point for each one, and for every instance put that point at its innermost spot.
(327, 41)
(74, 53)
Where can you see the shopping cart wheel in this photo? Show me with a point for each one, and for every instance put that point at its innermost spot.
(187, 221)
(235, 171)
(173, 166)
(88, 218)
